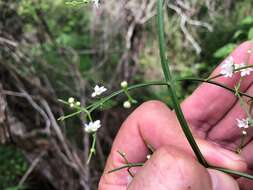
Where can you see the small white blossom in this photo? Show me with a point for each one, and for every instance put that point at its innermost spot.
(227, 68)
(95, 3)
(244, 72)
(98, 91)
(71, 100)
(127, 104)
(148, 156)
(244, 132)
(78, 103)
(123, 84)
(92, 126)
(243, 123)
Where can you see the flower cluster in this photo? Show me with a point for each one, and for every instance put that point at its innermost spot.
(244, 124)
(229, 67)
(92, 127)
(73, 103)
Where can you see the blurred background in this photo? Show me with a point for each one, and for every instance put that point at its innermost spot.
(50, 50)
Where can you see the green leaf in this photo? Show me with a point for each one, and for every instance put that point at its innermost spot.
(237, 34)
(247, 20)
(250, 34)
(224, 51)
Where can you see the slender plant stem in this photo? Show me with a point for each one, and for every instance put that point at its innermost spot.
(214, 83)
(171, 87)
(129, 165)
(94, 106)
(93, 147)
(70, 115)
(232, 172)
(141, 85)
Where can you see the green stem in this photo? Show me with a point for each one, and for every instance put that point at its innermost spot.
(68, 116)
(93, 148)
(129, 96)
(95, 105)
(239, 149)
(239, 69)
(214, 83)
(129, 165)
(171, 87)
(232, 172)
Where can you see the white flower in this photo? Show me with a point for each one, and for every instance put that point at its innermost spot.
(78, 103)
(148, 156)
(244, 132)
(127, 104)
(95, 3)
(243, 123)
(71, 100)
(92, 126)
(123, 84)
(244, 72)
(98, 91)
(227, 68)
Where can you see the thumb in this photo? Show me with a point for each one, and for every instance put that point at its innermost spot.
(171, 168)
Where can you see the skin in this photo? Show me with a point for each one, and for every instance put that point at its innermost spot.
(211, 113)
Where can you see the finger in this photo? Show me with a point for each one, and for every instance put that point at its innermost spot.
(170, 168)
(156, 125)
(208, 103)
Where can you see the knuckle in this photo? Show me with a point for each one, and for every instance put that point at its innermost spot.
(152, 105)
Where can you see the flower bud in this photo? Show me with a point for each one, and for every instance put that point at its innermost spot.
(123, 84)
(71, 100)
(127, 104)
(78, 103)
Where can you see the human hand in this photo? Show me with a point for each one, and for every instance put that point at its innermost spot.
(210, 111)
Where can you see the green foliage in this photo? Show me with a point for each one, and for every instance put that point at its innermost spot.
(241, 32)
(12, 167)
(224, 51)
(250, 34)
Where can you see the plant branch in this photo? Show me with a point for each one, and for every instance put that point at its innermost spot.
(171, 87)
